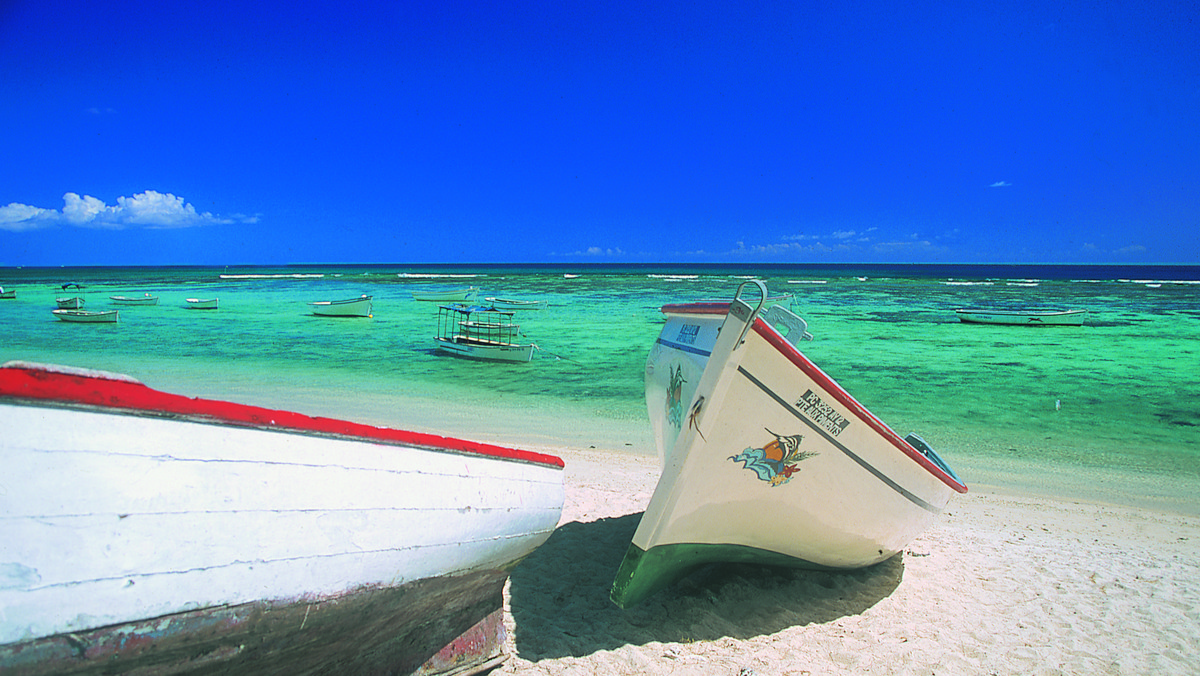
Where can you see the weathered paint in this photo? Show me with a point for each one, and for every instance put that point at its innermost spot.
(382, 630)
(479, 648)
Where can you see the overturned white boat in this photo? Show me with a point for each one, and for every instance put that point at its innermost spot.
(766, 459)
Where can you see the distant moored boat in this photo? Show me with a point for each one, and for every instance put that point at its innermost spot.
(1023, 317)
(203, 303)
(146, 299)
(351, 307)
(451, 296)
(86, 317)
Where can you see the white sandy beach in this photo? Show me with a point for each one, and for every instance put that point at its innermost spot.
(1001, 584)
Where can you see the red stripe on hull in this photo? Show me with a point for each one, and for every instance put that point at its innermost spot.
(129, 397)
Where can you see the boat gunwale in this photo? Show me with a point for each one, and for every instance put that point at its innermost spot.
(23, 383)
(781, 344)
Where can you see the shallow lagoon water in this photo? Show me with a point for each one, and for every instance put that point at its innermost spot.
(1109, 410)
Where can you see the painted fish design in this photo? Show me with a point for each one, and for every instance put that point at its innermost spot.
(776, 461)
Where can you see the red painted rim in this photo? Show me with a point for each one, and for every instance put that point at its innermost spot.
(96, 390)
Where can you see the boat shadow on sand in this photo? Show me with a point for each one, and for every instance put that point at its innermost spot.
(560, 605)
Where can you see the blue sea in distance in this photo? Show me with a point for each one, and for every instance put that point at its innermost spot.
(1106, 411)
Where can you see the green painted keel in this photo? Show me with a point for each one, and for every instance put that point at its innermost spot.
(644, 572)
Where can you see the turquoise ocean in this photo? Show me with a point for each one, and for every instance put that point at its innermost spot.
(1109, 411)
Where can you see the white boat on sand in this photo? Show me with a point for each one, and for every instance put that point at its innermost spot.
(146, 299)
(203, 303)
(482, 333)
(157, 533)
(1023, 317)
(515, 304)
(771, 461)
(447, 296)
(352, 307)
(88, 317)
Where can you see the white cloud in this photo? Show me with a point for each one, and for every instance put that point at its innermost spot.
(843, 234)
(921, 246)
(18, 217)
(1132, 249)
(81, 210)
(150, 209)
(599, 251)
(1000, 184)
(743, 249)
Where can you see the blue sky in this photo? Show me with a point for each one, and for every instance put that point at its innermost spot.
(265, 133)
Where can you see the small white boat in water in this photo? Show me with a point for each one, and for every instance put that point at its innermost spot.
(7, 293)
(88, 317)
(70, 303)
(515, 304)
(482, 333)
(352, 307)
(146, 299)
(769, 460)
(203, 303)
(450, 296)
(147, 532)
(1023, 317)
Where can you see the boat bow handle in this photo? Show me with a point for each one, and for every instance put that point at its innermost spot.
(742, 310)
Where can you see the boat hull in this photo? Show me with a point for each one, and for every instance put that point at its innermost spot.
(460, 295)
(775, 463)
(73, 303)
(511, 304)
(483, 351)
(144, 529)
(203, 303)
(1023, 318)
(354, 307)
(134, 300)
(87, 317)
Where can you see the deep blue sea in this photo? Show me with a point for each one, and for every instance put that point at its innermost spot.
(1109, 410)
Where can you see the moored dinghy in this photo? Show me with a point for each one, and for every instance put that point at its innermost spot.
(145, 299)
(516, 304)
(447, 296)
(70, 302)
(147, 531)
(1023, 317)
(203, 303)
(351, 307)
(774, 463)
(88, 317)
